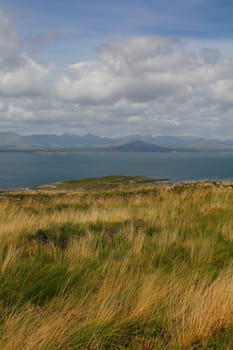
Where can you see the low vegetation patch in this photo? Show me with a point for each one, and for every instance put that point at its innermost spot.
(141, 266)
(100, 182)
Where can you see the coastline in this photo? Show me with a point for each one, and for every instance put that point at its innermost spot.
(75, 186)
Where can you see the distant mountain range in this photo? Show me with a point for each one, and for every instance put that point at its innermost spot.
(131, 143)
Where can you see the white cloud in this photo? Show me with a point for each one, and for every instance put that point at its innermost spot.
(142, 84)
(152, 85)
(130, 68)
(22, 76)
(144, 69)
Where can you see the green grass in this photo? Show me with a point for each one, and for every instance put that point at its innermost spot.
(99, 182)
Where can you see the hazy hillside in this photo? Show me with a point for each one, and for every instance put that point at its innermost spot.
(11, 140)
(191, 142)
(135, 142)
(138, 146)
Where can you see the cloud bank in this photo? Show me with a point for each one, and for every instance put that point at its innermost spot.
(145, 69)
(146, 84)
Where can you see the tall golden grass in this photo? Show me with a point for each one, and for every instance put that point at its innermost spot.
(144, 267)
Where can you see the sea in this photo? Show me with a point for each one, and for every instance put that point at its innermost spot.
(26, 170)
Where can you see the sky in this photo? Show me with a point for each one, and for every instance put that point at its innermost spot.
(112, 68)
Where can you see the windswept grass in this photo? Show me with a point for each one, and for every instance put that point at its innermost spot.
(136, 267)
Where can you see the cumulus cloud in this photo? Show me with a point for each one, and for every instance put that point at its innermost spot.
(129, 68)
(22, 76)
(143, 69)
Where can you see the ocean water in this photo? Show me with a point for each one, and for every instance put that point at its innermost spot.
(20, 170)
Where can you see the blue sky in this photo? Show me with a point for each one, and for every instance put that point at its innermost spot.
(117, 67)
(73, 29)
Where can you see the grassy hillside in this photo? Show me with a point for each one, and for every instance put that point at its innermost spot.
(140, 266)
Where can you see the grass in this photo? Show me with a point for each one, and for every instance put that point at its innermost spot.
(99, 182)
(140, 266)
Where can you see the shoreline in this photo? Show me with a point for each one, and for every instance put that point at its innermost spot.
(56, 187)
